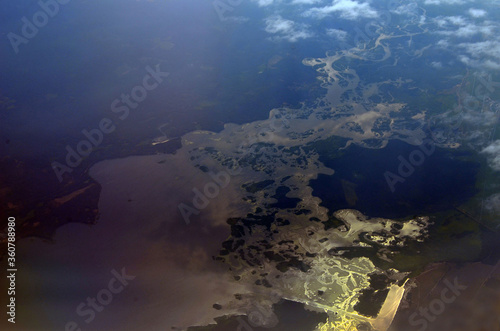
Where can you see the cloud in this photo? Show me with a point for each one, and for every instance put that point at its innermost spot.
(483, 53)
(449, 21)
(286, 29)
(264, 3)
(493, 151)
(305, 2)
(480, 44)
(348, 9)
(458, 26)
(406, 9)
(469, 31)
(444, 2)
(337, 34)
(436, 64)
(492, 203)
(477, 12)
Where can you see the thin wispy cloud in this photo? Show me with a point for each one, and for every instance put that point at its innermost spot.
(436, 64)
(492, 203)
(305, 2)
(337, 34)
(493, 151)
(481, 54)
(475, 41)
(347, 9)
(406, 9)
(286, 29)
(469, 30)
(444, 2)
(263, 3)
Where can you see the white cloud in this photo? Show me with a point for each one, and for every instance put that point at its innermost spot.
(406, 9)
(459, 26)
(348, 9)
(305, 2)
(483, 53)
(337, 34)
(286, 29)
(489, 64)
(444, 2)
(489, 47)
(477, 12)
(468, 31)
(443, 43)
(263, 3)
(450, 21)
(436, 64)
(493, 150)
(412, 11)
(478, 63)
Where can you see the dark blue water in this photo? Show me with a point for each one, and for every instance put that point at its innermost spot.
(443, 179)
